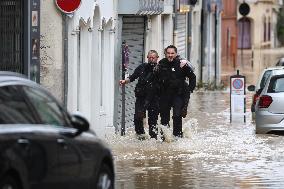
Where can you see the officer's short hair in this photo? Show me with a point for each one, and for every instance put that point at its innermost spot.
(153, 52)
(171, 47)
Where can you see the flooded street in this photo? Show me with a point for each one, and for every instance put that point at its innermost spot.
(213, 154)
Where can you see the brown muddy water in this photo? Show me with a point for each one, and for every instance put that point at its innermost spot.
(213, 154)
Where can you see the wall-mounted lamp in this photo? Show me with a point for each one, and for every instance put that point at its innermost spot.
(90, 29)
(112, 30)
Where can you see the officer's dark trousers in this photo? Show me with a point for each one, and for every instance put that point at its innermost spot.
(153, 112)
(166, 103)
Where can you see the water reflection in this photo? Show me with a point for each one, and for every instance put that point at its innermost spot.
(214, 153)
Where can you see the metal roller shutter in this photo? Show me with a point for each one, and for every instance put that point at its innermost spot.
(133, 30)
(181, 34)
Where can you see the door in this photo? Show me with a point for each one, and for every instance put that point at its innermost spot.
(31, 154)
(181, 33)
(133, 31)
(54, 120)
(244, 33)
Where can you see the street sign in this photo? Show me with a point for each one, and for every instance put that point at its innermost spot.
(237, 96)
(68, 6)
(237, 86)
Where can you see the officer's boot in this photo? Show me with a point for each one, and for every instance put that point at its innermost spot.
(177, 126)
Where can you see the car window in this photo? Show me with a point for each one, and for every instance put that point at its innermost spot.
(13, 107)
(276, 85)
(264, 78)
(47, 108)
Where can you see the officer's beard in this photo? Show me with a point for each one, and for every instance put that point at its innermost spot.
(171, 59)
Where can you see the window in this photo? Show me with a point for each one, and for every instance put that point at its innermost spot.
(13, 107)
(269, 30)
(264, 29)
(46, 107)
(264, 78)
(276, 85)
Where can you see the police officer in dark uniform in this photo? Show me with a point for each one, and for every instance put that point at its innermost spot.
(146, 93)
(173, 88)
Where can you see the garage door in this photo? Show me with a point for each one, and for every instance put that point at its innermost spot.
(133, 30)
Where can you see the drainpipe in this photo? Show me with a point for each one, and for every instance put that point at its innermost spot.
(201, 46)
(65, 58)
(189, 34)
(216, 41)
(174, 24)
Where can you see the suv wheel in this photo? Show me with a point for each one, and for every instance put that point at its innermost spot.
(105, 178)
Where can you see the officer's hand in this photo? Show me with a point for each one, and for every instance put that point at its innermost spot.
(125, 81)
(122, 82)
(183, 63)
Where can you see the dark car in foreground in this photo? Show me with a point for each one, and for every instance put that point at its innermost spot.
(42, 146)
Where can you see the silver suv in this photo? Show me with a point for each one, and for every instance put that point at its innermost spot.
(265, 74)
(269, 107)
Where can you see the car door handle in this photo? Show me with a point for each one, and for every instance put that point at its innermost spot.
(23, 141)
(61, 142)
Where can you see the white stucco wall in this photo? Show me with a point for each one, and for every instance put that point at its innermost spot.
(51, 51)
(91, 63)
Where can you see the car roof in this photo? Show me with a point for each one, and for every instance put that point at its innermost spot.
(274, 68)
(277, 72)
(257, 86)
(6, 76)
(8, 73)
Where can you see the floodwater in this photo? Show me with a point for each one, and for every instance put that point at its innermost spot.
(213, 154)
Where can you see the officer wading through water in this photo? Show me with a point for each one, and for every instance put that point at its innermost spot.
(174, 90)
(146, 93)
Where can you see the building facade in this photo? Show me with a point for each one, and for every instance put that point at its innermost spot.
(211, 42)
(91, 44)
(78, 56)
(142, 26)
(258, 29)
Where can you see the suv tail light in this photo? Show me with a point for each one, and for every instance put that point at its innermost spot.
(264, 101)
(255, 98)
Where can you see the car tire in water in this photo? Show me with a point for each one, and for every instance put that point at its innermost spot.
(105, 178)
(8, 182)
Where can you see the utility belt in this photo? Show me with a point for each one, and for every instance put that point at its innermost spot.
(151, 89)
(173, 87)
(140, 91)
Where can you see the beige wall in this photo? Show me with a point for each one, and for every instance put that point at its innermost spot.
(51, 53)
(259, 11)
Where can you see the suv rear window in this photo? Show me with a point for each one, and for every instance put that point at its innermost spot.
(276, 84)
(264, 78)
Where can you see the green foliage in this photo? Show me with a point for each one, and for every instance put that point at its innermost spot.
(280, 26)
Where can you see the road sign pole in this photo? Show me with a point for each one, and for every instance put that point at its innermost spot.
(237, 96)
